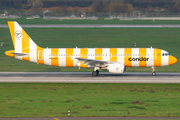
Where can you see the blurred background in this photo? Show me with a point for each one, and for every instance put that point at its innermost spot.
(90, 9)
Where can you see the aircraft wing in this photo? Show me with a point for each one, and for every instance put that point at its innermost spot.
(93, 62)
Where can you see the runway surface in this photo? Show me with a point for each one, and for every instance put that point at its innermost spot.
(86, 77)
(91, 26)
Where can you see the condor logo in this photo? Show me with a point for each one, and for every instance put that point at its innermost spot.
(18, 34)
(138, 59)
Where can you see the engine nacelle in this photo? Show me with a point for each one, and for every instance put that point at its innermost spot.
(116, 68)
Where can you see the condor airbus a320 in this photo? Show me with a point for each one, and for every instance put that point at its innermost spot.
(114, 60)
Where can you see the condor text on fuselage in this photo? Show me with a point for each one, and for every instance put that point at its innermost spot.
(138, 59)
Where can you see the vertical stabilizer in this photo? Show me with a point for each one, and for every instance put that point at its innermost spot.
(21, 41)
(20, 38)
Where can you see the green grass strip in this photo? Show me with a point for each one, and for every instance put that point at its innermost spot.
(46, 100)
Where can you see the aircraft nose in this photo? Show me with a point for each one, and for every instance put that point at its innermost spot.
(172, 60)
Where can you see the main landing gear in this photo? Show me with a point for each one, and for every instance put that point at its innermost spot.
(153, 71)
(95, 72)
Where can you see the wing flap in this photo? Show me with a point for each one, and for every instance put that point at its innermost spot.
(93, 62)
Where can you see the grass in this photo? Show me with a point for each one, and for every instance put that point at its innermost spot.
(46, 100)
(163, 38)
(101, 20)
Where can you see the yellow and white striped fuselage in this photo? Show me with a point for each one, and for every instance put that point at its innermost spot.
(131, 57)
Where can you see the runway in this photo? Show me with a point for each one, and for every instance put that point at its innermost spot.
(91, 26)
(86, 77)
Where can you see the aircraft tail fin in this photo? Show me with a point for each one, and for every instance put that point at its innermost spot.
(23, 44)
(21, 40)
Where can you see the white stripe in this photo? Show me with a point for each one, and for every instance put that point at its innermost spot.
(62, 57)
(164, 59)
(152, 56)
(120, 57)
(76, 53)
(150, 61)
(105, 52)
(91, 52)
(47, 55)
(18, 39)
(32, 51)
(135, 54)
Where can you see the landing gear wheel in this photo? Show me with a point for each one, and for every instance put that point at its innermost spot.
(153, 71)
(153, 74)
(94, 73)
(97, 72)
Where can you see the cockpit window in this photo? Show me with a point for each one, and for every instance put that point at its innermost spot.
(165, 54)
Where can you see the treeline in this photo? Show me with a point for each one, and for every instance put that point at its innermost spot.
(95, 5)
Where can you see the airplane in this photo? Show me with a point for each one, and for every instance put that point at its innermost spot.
(114, 60)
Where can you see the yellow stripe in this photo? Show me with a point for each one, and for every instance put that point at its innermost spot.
(84, 54)
(54, 57)
(142, 55)
(69, 53)
(25, 44)
(9, 53)
(11, 28)
(40, 55)
(98, 53)
(113, 53)
(127, 55)
(157, 56)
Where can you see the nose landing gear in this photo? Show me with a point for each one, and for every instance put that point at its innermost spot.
(153, 71)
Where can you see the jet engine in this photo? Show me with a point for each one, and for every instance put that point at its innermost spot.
(116, 68)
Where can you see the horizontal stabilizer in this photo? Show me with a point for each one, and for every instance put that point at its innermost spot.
(19, 54)
(12, 53)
